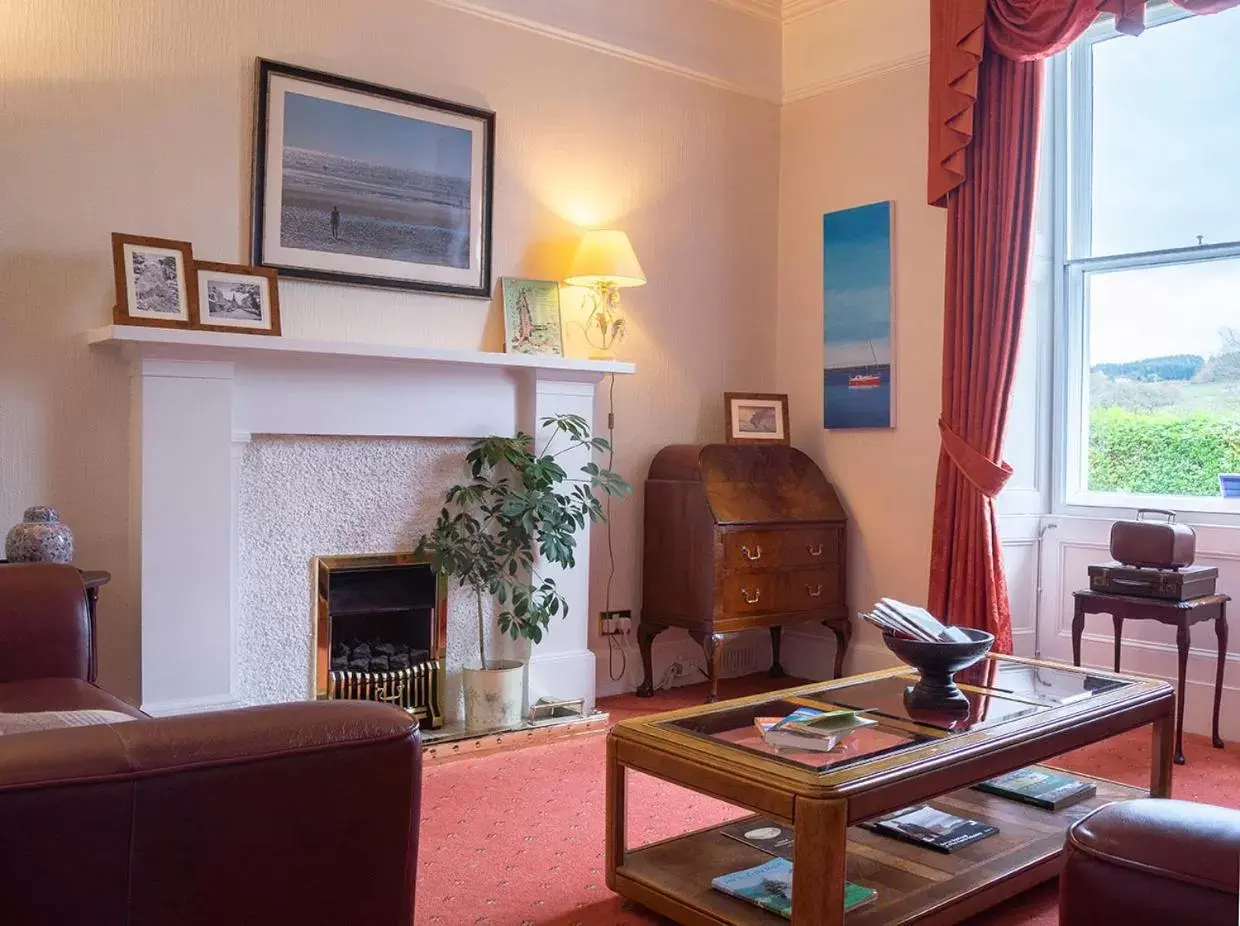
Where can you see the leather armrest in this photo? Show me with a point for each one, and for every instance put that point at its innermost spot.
(1152, 861)
(44, 624)
(303, 813)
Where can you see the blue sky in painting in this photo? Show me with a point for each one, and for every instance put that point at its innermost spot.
(376, 137)
(857, 285)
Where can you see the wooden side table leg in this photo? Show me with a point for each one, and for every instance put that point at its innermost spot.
(819, 847)
(1220, 629)
(646, 632)
(777, 667)
(614, 814)
(1078, 627)
(1118, 623)
(1181, 643)
(92, 606)
(843, 634)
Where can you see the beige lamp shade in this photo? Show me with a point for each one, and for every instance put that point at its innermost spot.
(605, 257)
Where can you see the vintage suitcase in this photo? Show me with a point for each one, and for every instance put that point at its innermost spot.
(1159, 544)
(1167, 584)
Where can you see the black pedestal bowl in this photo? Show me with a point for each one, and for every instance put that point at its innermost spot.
(938, 663)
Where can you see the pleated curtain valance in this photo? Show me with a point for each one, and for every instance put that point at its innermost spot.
(961, 31)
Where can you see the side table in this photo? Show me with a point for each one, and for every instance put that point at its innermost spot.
(1179, 614)
(93, 579)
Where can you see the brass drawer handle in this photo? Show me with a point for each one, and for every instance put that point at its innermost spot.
(814, 592)
(757, 593)
(814, 551)
(755, 555)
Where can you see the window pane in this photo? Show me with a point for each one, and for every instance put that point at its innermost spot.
(1163, 389)
(1166, 129)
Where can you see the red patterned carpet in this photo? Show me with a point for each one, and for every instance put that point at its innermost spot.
(516, 838)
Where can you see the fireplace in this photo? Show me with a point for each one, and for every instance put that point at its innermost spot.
(380, 625)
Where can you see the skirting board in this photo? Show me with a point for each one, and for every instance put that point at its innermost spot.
(665, 650)
(190, 706)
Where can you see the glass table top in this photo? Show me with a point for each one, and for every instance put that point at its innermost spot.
(999, 691)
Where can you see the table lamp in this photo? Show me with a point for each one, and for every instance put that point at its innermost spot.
(604, 262)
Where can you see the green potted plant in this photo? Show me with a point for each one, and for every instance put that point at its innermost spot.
(519, 502)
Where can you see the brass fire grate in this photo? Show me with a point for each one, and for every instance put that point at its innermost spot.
(417, 689)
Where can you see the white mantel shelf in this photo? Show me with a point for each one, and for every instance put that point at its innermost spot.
(217, 345)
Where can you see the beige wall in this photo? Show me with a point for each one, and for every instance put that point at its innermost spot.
(137, 117)
(862, 143)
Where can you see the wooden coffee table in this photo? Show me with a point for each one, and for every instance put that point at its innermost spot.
(1022, 712)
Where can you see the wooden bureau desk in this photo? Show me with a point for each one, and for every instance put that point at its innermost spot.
(739, 538)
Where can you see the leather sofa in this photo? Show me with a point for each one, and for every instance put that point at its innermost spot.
(1152, 862)
(294, 813)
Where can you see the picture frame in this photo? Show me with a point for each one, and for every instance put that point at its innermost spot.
(757, 418)
(364, 184)
(155, 282)
(237, 298)
(858, 360)
(532, 322)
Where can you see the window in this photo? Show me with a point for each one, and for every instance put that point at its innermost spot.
(1146, 182)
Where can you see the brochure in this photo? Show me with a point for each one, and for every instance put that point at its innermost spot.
(925, 826)
(1040, 787)
(769, 886)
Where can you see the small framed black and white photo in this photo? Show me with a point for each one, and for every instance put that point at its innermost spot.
(233, 297)
(365, 184)
(155, 284)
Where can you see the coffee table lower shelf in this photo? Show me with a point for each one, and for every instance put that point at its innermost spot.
(914, 885)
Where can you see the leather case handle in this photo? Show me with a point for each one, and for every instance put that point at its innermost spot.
(1169, 515)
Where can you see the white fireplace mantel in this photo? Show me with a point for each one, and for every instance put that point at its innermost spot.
(197, 396)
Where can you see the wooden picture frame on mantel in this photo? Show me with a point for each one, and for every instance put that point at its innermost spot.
(756, 418)
(237, 299)
(155, 281)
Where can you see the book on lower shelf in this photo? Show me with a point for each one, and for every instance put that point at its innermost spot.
(1040, 787)
(769, 886)
(925, 826)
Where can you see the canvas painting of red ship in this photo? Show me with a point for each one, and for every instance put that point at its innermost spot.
(856, 299)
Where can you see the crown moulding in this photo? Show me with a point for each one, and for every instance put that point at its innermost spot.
(782, 11)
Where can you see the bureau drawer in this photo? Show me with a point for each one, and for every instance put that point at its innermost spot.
(752, 549)
(808, 589)
(813, 546)
(748, 594)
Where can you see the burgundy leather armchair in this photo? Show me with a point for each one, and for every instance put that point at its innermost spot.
(1152, 862)
(294, 813)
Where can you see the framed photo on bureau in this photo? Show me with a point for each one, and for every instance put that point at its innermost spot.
(757, 418)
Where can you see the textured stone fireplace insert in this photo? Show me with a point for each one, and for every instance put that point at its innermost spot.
(380, 628)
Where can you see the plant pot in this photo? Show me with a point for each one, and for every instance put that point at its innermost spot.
(494, 696)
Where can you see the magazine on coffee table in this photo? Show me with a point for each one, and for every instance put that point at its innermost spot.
(764, 834)
(925, 826)
(769, 886)
(1040, 787)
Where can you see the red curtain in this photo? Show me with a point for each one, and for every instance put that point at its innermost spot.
(985, 95)
(990, 225)
(1019, 29)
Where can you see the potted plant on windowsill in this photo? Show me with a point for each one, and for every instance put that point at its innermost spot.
(518, 502)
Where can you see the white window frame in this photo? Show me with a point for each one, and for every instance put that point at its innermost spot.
(1071, 169)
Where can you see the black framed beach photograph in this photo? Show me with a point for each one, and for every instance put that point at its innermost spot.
(234, 297)
(155, 283)
(359, 183)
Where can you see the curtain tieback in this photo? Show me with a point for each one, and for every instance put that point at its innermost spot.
(987, 476)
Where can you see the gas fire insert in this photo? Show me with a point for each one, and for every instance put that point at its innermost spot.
(380, 629)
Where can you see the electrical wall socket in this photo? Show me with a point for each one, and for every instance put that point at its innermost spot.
(612, 623)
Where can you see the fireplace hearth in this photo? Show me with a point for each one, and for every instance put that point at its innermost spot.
(380, 627)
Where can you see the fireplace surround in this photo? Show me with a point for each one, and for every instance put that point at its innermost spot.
(198, 397)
